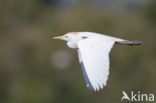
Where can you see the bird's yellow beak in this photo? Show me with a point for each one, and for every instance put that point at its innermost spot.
(58, 37)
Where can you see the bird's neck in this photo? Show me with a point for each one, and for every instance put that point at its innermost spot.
(72, 44)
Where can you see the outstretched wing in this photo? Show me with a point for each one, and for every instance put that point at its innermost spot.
(94, 59)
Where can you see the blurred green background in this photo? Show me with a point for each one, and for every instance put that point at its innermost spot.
(36, 69)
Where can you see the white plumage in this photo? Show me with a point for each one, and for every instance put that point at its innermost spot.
(93, 52)
(95, 58)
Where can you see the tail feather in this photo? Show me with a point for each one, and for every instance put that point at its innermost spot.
(126, 42)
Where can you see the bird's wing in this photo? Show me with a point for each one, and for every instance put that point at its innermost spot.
(94, 59)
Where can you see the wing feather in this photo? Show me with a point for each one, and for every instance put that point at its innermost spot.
(94, 55)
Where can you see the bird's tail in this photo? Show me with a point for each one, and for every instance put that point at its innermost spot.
(126, 42)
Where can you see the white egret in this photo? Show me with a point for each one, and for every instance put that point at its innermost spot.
(93, 52)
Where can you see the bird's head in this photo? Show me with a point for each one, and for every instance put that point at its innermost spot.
(68, 36)
(72, 38)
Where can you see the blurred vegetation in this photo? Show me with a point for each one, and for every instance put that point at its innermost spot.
(29, 61)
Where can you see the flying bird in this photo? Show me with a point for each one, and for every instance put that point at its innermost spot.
(93, 53)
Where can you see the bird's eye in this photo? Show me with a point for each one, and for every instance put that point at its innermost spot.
(84, 37)
(66, 36)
